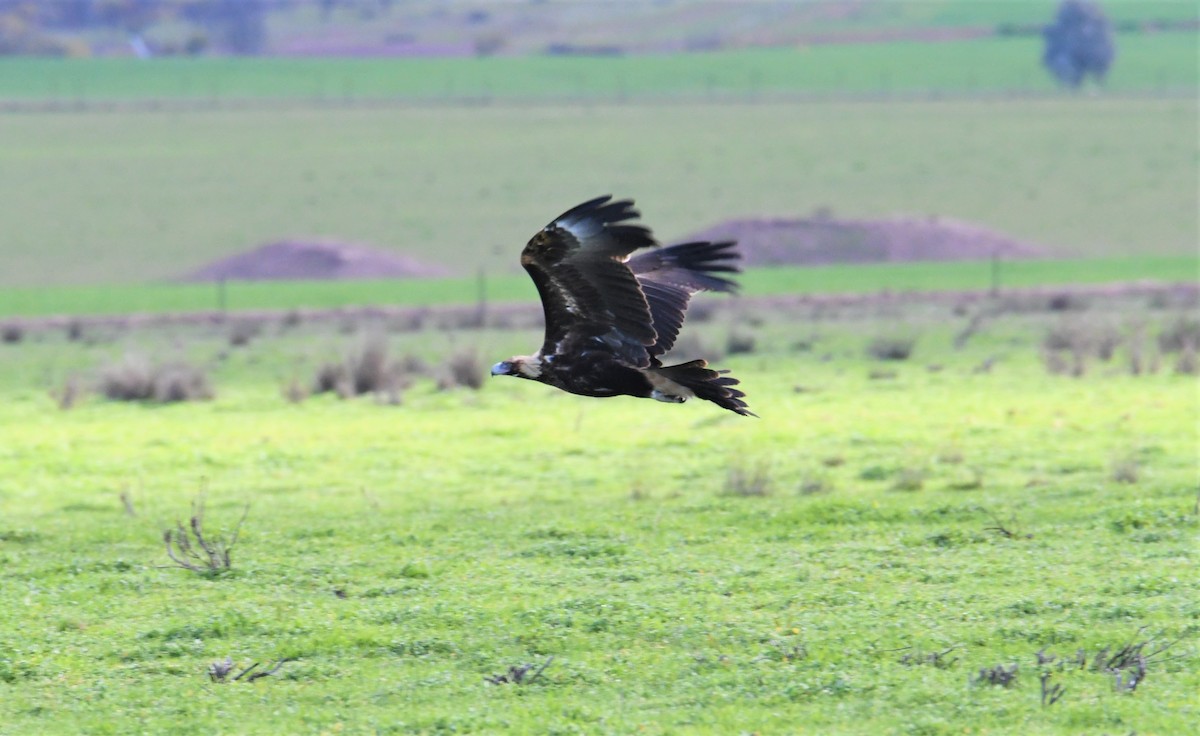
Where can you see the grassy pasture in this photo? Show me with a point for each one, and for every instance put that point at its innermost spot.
(469, 532)
(124, 197)
(865, 278)
(1147, 63)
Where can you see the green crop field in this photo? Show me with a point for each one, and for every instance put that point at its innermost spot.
(776, 281)
(848, 563)
(1147, 63)
(128, 197)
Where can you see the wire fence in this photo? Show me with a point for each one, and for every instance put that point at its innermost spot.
(82, 104)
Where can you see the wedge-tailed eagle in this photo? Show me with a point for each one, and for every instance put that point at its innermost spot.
(610, 318)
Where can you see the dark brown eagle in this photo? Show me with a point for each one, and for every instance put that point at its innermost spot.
(610, 318)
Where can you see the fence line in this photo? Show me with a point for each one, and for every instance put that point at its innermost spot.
(218, 104)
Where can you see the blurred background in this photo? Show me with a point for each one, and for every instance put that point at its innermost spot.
(150, 147)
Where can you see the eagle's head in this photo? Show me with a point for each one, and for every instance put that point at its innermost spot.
(521, 366)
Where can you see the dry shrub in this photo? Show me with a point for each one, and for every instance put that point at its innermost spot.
(463, 368)
(292, 318)
(413, 365)
(692, 346)
(1185, 365)
(368, 367)
(243, 331)
(137, 379)
(1062, 336)
(294, 391)
(891, 348)
(970, 480)
(1105, 342)
(741, 341)
(189, 548)
(329, 377)
(12, 333)
(1181, 332)
(702, 310)
(1137, 347)
(365, 370)
(748, 480)
(74, 330)
(70, 393)
(1125, 469)
(1065, 349)
(1066, 302)
(881, 374)
(815, 483)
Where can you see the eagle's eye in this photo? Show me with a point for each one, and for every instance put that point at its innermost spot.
(504, 368)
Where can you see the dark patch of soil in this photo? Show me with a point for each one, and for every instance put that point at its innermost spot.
(820, 240)
(314, 260)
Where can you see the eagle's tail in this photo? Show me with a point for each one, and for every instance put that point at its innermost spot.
(705, 383)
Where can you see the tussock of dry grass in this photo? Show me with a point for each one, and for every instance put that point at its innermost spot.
(891, 348)
(137, 379)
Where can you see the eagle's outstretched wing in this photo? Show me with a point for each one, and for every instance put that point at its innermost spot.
(669, 277)
(588, 292)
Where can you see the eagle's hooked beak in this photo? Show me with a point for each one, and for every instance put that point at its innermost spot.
(503, 368)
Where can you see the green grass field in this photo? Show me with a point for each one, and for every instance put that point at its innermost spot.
(853, 279)
(1147, 63)
(402, 554)
(126, 197)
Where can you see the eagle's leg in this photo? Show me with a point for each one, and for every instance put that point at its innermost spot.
(669, 398)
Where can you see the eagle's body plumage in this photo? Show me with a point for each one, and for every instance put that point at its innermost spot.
(610, 317)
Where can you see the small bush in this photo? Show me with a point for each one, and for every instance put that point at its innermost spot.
(1180, 333)
(243, 331)
(691, 346)
(136, 379)
(368, 367)
(70, 393)
(1066, 302)
(1185, 364)
(206, 554)
(463, 368)
(814, 484)
(745, 480)
(365, 370)
(74, 330)
(998, 675)
(1125, 469)
(891, 348)
(329, 377)
(294, 392)
(741, 341)
(12, 333)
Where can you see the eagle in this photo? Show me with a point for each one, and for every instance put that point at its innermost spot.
(611, 317)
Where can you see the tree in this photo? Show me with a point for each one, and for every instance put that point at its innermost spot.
(1079, 43)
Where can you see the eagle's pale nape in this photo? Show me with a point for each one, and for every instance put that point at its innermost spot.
(610, 317)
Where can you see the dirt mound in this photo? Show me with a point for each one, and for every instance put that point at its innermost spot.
(314, 259)
(826, 240)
